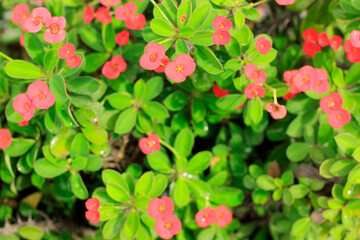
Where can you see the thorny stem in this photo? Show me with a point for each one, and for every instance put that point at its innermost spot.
(168, 146)
(5, 56)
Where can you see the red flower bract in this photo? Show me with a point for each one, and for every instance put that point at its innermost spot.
(167, 227)
(339, 118)
(92, 204)
(103, 15)
(20, 13)
(66, 51)
(353, 53)
(114, 67)
(23, 123)
(110, 3)
(321, 84)
(164, 61)
(36, 19)
(310, 49)
(122, 38)
(55, 32)
(355, 38)
(223, 216)
(331, 103)
(263, 45)
(254, 90)
(205, 217)
(89, 14)
(24, 106)
(285, 2)
(310, 35)
(40, 94)
(221, 23)
(305, 78)
(125, 11)
(5, 138)
(159, 208)
(251, 72)
(151, 59)
(219, 92)
(136, 22)
(323, 40)
(277, 111)
(335, 42)
(182, 66)
(73, 61)
(149, 144)
(93, 216)
(221, 38)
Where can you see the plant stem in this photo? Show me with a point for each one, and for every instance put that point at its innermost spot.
(258, 3)
(162, 13)
(168, 146)
(275, 98)
(5, 56)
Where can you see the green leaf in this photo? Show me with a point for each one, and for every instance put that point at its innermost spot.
(229, 196)
(251, 13)
(199, 162)
(354, 175)
(79, 163)
(298, 191)
(120, 100)
(114, 177)
(356, 154)
(126, 121)
(181, 193)
(94, 61)
(10, 113)
(347, 142)
(186, 32)
(61, 143)
(139, 89)
(47, 169)
(113, 227)
(184, 142)
(78, 187)
(297, 151)
(239, 18)
(184, 10)
(155, 110)
(202, 38)
(57, 87)
(198, 110)
(51, 59)
(301, 227)
(266, 182)
(256, 111)
(144, 184)
(117, 193)
(23, 70)
(199, 15)
(83, 85)
(159, 187)
(95, 134)
(153, 88)
(132, 224)
(176, 100)
(79, 146)
(108, 36)
(34, 48)
(342, 167)
(206, 59)
(92, 38)
(162, 27)
(31, 233)
(159, 161)
(19, 147)
(94, 163)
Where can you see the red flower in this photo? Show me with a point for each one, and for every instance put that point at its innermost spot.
(323, 40)
(73, 61)
(24, 106)
(221, 23)
(310, 49)
(103, 15)
(89, 14)
(5, 138)
(251, 72)
(167, 227)
(110, 3)
(123, 12)
(335, 42)
(181, 67)
(353, 53)
(22, 43)
(183, 18)
(164, 61)
(321, 85)
(205, 217)
(339, 118)
(122, 38)
(223, 216)
(305, 78)
(114, 67)
(23, 123)
(36, 19)
(40, 94)
(277, 111)
(288, 96)
(20, 13)
(355, 38)
(284, 2)
(254, 90)
(66, 51)
(160, 208)
(263, 45)
(289, 77)
(92, 204)
(149, 144)
(221, 37)
(219, 92)
(93, 216)
(331, 103)
(55, 33)
(136, 22)
(310, 35)
(151, 59)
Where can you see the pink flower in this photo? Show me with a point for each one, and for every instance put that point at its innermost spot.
(251, 72)
(164, 61)
(110, 3)
(335, 42)
(92, 204)
(205, 217)
(89, 14)
(55, 32)
(289, 77)
(149, 144)
(221, 37)
(22, 43)
(136, 22)
(122, 38)
(219, 92)
(160, 208)
(40, 94)
(23, 105)
(23, 123)
(124, 12)
(310, 35)
(151, 59)
(311, 48)
(36, 19)
(355, 38)
(167, 227)
(284, 2)
(277, 111)
(66, 51)
(114, 67)
(305, 78)
(93, 216)
(103, 15)
(181, 67)
(20, 13)
(339, 118)
(263, 45)
(254, 90)
(223, 216)
(352, 52)
(5, 138)
(323, 40)
(183, 18)
(221, 23)
(321, 84)
(331, 103)
(73, 61)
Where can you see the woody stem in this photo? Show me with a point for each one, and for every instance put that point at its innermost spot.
(162, 13)
(168, 146)
(5, 56)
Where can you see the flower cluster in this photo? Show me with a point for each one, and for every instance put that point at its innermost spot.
(92, 214)
(38, 96)
(5, 138)
(114, 67)
(177, 70)
(67, 52)
(352, 47)
(221, 215)
(167, 225)
(332, 105)
(222, 26)
(149, 144)
(314, 42)
(259, 76)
